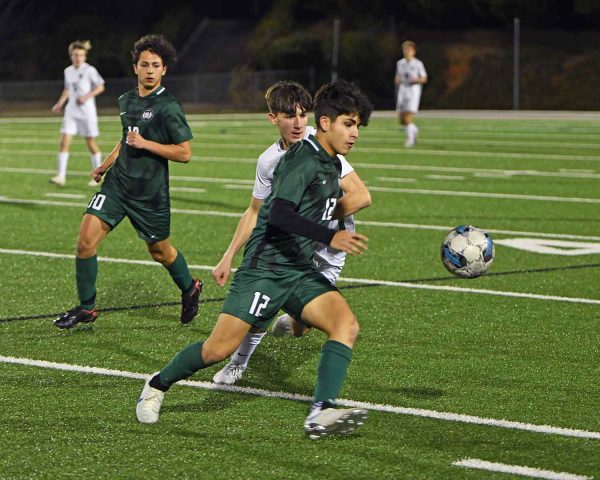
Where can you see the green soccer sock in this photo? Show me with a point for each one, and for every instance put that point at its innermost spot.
(86, 271)
(335, 358)
(180, 273)
(187, 362)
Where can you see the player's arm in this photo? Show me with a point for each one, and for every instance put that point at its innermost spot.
(91, 94)
(240, 237)
(181, 152)
(356, 196)
(97, 173)
(422, 80)
(284, 216)
(57, 107)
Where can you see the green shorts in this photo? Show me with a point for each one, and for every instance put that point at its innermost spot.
(152, 223)
(256, 296)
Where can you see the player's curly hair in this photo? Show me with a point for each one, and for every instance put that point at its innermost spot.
(285, 96)
(341, 97)
(80, 45)
(156, 44)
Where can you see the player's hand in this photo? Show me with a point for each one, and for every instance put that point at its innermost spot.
(221, 272)
(97, 173)
(81, 100)
(134, 139)
(350, 242)
(56, 108)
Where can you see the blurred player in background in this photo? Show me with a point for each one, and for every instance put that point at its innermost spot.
(278, 269)
(288, 104)
(136, 184)
(82, 84)
(410, 77)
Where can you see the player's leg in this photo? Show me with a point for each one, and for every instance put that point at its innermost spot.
(328, 311)
(62, 159)
(238, 362)
(173, 260)
(226, 335)
(411, 129)
(91, 233)
(95, 157)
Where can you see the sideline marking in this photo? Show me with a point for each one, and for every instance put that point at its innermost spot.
(419, 412)
(444, 228)
(517, 470)
(361, 281)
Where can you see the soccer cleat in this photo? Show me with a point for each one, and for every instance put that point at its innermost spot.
(148, 405)
(281, 327)
(58, 181)
(410, 143)
(229, 374)
(190, 303)
(74, 316)
(324, 420)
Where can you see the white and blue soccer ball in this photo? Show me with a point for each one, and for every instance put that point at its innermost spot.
(467, 251)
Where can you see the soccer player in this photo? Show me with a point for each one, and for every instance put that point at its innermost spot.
(82, 84)
(410, 78)
(278, 270)
(288, 104)
(136, 184)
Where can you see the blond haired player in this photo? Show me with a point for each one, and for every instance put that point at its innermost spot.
(410, 77)
(82, 84)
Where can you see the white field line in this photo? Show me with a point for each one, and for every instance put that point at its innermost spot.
(380, 150)
(187, 190)
(562, 173)
(371, 140)
(517, 470)
(212, 213)
(363, 281)
(77, 196)
(419, 412)
(511, 196)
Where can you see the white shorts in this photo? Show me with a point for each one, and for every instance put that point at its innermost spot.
(85, 127)
(408, 99)
(325, 267)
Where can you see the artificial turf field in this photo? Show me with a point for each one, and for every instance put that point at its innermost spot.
(503, 369)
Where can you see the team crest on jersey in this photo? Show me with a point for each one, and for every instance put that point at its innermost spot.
(147, 115)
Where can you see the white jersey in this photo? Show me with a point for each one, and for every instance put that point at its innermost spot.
(78, 82)
(409, 94)
(328, 260)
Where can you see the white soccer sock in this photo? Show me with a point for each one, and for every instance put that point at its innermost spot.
(246, 349)
(96, 158)
(63, 159)
(411, 131)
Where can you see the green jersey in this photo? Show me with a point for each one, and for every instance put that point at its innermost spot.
(142, 175)
(309, 178)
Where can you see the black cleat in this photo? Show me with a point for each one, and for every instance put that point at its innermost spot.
(190, 303)
(74, 316)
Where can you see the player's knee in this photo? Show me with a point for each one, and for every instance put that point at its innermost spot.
(158, 256)
(85, 247)
(212, 353)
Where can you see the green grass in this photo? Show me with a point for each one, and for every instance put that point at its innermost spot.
(520, 359)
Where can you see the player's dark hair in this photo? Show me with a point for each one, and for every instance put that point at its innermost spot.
(285, 96)
(341, 97)
(156, 44)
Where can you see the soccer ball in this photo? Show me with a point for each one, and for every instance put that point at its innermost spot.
(467, 251)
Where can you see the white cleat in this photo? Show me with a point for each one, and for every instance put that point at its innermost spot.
(149, 403)
(58, 181)
(324, 420)
(229, 374)
(409, 143)
(281, 327)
